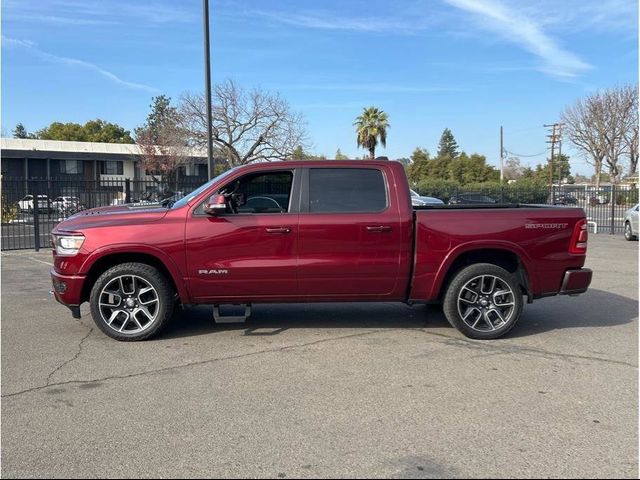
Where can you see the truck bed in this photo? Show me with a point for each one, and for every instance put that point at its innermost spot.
(537, 235)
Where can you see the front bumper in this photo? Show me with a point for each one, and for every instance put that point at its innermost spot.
(576, 281)
(67, 290)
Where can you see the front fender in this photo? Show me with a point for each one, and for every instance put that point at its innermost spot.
(133, 248)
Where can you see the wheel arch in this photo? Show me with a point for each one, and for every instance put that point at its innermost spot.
(99, 264)
(508, 258)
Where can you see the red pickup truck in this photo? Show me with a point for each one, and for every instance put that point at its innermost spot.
(315, 231)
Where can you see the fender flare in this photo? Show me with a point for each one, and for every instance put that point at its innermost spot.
(133, 248)
(456, 252)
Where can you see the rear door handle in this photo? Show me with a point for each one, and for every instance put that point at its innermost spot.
(378, 228)
(278, 229)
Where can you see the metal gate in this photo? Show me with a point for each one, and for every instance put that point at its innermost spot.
(32, 208)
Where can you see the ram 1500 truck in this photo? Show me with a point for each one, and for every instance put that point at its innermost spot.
(315, 231)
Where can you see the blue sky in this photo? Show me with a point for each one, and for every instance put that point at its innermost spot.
(469, 65)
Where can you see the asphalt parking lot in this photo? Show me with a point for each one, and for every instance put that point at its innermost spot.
(347, 390)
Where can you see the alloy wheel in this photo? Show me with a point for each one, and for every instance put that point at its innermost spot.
(486, 303)
(129, 304)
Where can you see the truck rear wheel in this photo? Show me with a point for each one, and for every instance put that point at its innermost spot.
(483, 301)
(131, 301)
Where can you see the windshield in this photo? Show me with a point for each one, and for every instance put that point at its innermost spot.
(190, 196)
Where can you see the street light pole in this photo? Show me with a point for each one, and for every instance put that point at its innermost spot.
(207, 88)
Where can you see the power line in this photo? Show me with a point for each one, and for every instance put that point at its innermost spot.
(525, 156)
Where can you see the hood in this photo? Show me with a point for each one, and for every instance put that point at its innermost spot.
(129, 214)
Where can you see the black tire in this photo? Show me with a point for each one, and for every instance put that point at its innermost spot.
(471, 274)
(628, 233)
(146, 273)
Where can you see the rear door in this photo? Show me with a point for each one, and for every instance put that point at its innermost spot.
(350, 235)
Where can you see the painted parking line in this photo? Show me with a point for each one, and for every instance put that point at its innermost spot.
(27, 256)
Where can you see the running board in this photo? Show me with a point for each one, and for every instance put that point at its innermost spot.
(218, 318)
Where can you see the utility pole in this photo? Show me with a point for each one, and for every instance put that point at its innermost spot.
(553, 139)
(501, 156)
(207, 88)
(560, 153)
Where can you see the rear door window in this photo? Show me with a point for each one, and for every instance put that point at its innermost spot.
(347, 190)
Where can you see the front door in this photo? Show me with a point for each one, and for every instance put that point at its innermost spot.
(249, 252)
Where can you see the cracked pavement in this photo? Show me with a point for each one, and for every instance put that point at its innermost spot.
(345, 390)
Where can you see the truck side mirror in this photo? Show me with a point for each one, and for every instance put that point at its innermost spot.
(215, 205)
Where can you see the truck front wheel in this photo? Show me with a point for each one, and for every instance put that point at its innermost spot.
(483, 301)
(131, 301)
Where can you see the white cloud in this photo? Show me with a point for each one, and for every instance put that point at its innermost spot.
(31, 46)
(318, 20)
(517, 27)
(97, 12)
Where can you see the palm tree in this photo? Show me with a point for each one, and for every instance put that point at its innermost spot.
(371, 127)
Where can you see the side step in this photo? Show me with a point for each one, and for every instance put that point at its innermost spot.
(218, 318)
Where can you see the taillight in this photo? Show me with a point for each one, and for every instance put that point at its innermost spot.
(579, 238)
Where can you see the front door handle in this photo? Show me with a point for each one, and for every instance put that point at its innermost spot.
(278, 229)
(378, 228)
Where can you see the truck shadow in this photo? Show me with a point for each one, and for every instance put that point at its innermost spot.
(596, 308)
(593, 309)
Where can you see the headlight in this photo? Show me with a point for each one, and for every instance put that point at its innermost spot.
(67, 244)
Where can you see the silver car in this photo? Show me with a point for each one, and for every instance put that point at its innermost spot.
(631, 224)
(419, 201)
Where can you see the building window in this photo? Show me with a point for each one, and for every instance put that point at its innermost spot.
(71, 167)
(112, 168)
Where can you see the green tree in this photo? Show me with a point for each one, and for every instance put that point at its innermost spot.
(21, 132)
(162, 116)
(92, 131)
(447, 147)
(70, 131)
(561, 170)
(467, 169)
(298, 153)
(371, 129)
(418, 169)
(528, 173)
(341, 156)
(105, 132)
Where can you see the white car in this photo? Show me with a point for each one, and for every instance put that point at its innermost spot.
(419, 201)
(631, 223)
(26, 204)
(65, 203)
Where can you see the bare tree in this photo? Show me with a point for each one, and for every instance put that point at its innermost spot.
(601, 126)
(162, 141)
(584, 134)
(247, 126)
(632, 148)
(631, 137)
(513, 169)
(162, 157)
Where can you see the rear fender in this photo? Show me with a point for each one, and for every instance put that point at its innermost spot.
(526, 271)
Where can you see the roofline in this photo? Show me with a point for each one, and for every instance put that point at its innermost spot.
(61, 146)
(320, 163)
